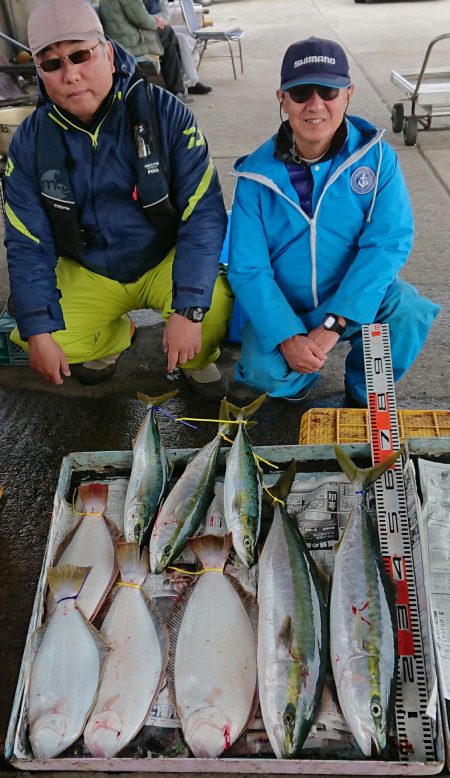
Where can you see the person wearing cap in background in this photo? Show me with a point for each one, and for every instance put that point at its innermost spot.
(112, 204)
(321, 224)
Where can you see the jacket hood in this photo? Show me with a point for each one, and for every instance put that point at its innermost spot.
(359, 132)
(125, 65)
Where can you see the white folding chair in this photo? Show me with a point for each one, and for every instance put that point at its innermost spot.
(203, 36)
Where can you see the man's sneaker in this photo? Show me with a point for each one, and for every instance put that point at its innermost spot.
(296, 398)
(207, 382)
(199, 89)
(185, 98)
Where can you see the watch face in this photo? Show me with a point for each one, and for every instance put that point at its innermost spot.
(198, 314)
(329, 321)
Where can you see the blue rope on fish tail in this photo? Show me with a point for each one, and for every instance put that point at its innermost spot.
(174, 418)
(75, 596)
(362, 491)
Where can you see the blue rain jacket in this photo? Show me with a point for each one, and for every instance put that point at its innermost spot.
(103, 180)
(283, 265)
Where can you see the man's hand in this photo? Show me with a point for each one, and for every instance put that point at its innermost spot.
(325, 339)
(160, 23)
(182, 340)
(47, 358)
(302, 354)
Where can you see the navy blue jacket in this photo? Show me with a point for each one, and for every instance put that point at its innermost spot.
(124, 243)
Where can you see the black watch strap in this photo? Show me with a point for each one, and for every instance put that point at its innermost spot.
(195, 313)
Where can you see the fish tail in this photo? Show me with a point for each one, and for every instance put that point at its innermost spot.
(94, 497)
(212, 550)
(224, 414)
(67, 580)
(283, 486)
(152, 401)
(247, 410)
(364, 475)
(132, 562)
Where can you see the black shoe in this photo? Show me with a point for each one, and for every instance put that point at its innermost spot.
(296, 398)
(89, 376)
(199, 89)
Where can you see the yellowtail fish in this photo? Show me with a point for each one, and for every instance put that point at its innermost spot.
(292, 632)
(66, 664)
(186, 504)
(135, 667)
(150, 474)
(212, 670)
(91, 544)
(242, 491)
(363, 636)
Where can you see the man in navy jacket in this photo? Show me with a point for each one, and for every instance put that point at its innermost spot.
(112, 204)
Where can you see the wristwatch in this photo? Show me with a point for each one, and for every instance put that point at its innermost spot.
(193, 314)
(331, 323)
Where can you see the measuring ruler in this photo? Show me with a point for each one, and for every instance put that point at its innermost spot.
(414, 727)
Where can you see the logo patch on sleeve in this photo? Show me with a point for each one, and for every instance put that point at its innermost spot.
(362, 180)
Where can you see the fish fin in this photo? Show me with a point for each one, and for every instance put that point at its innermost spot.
(174, 622)
(283, 486)
(367, 475)
(284, 635)
(324, 582)
(67, 580)
(163, 639)
(36, 640)
(132, 562)
(249, 602)
(152, 401)
(247, 410)
(224, 414)
(212, 550)
(94, 497)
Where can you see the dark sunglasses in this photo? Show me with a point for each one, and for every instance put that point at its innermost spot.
(76, 58)
(301, 94)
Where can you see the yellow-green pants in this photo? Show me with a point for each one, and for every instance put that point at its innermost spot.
(95, 311)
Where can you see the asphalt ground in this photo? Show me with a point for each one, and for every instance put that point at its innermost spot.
(39, 423)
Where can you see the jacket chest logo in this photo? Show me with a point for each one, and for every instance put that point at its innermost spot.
(52, 185)
(362, 180)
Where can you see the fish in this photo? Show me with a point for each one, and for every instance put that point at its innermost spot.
(242, 491)
(363, 635)
(150, 474)
(292, 630)
(66, 665)
(135, 667)
(186, 504)
(212, 668)
(91, 544)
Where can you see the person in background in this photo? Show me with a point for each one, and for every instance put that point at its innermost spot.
(90, 235)
(161, 9)
(321, 224)
(127, 22)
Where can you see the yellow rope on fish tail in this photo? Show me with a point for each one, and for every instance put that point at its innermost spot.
(196, 572)
(213, 421)
(228, 440)
(130, 585)
(275, 499)
(77, 513)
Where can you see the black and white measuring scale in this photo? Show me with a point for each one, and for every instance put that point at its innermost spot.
(414, 726)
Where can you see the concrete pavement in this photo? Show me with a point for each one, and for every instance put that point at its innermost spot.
(40, 423)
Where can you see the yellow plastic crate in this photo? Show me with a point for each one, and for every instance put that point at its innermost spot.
(351, 425)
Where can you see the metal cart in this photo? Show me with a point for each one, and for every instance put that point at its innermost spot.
(428, 90)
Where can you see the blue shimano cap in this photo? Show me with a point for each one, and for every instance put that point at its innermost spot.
(315, 61)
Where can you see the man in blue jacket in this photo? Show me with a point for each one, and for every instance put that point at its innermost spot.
(112, 204)
(321, 225)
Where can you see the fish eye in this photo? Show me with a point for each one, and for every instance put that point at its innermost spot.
(375, 708)
(247, 542)
(287, 718)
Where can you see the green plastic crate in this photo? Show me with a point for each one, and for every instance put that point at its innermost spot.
(10, 354)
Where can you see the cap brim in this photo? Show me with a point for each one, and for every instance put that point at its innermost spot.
(50, 41)
(339, 82)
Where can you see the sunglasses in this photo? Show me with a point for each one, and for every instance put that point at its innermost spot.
(76, 58)
(301, 94)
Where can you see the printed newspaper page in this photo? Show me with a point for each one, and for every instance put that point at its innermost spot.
(435, 528)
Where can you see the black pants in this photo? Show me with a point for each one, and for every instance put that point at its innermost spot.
(171, 67)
